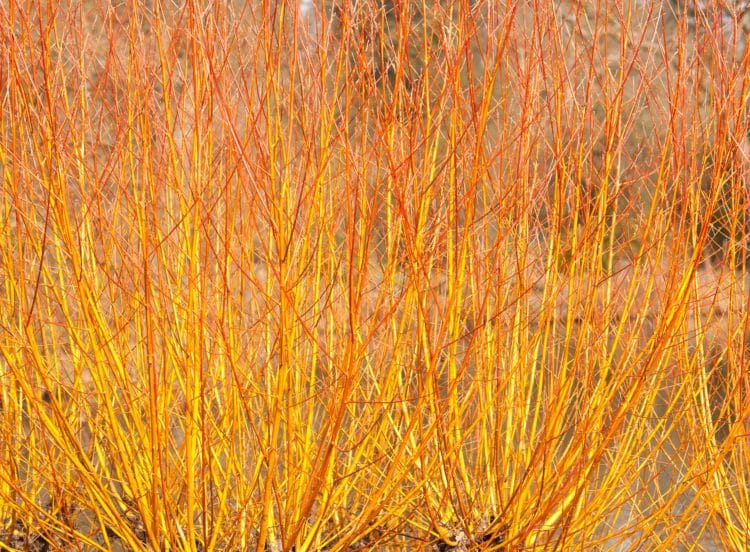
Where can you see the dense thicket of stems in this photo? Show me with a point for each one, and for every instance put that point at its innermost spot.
(342, 275)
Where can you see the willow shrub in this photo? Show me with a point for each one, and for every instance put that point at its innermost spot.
(373, 275)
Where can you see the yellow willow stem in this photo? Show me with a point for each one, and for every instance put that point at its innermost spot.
(456, 283)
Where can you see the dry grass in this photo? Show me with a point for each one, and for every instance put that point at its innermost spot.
(374, 275)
